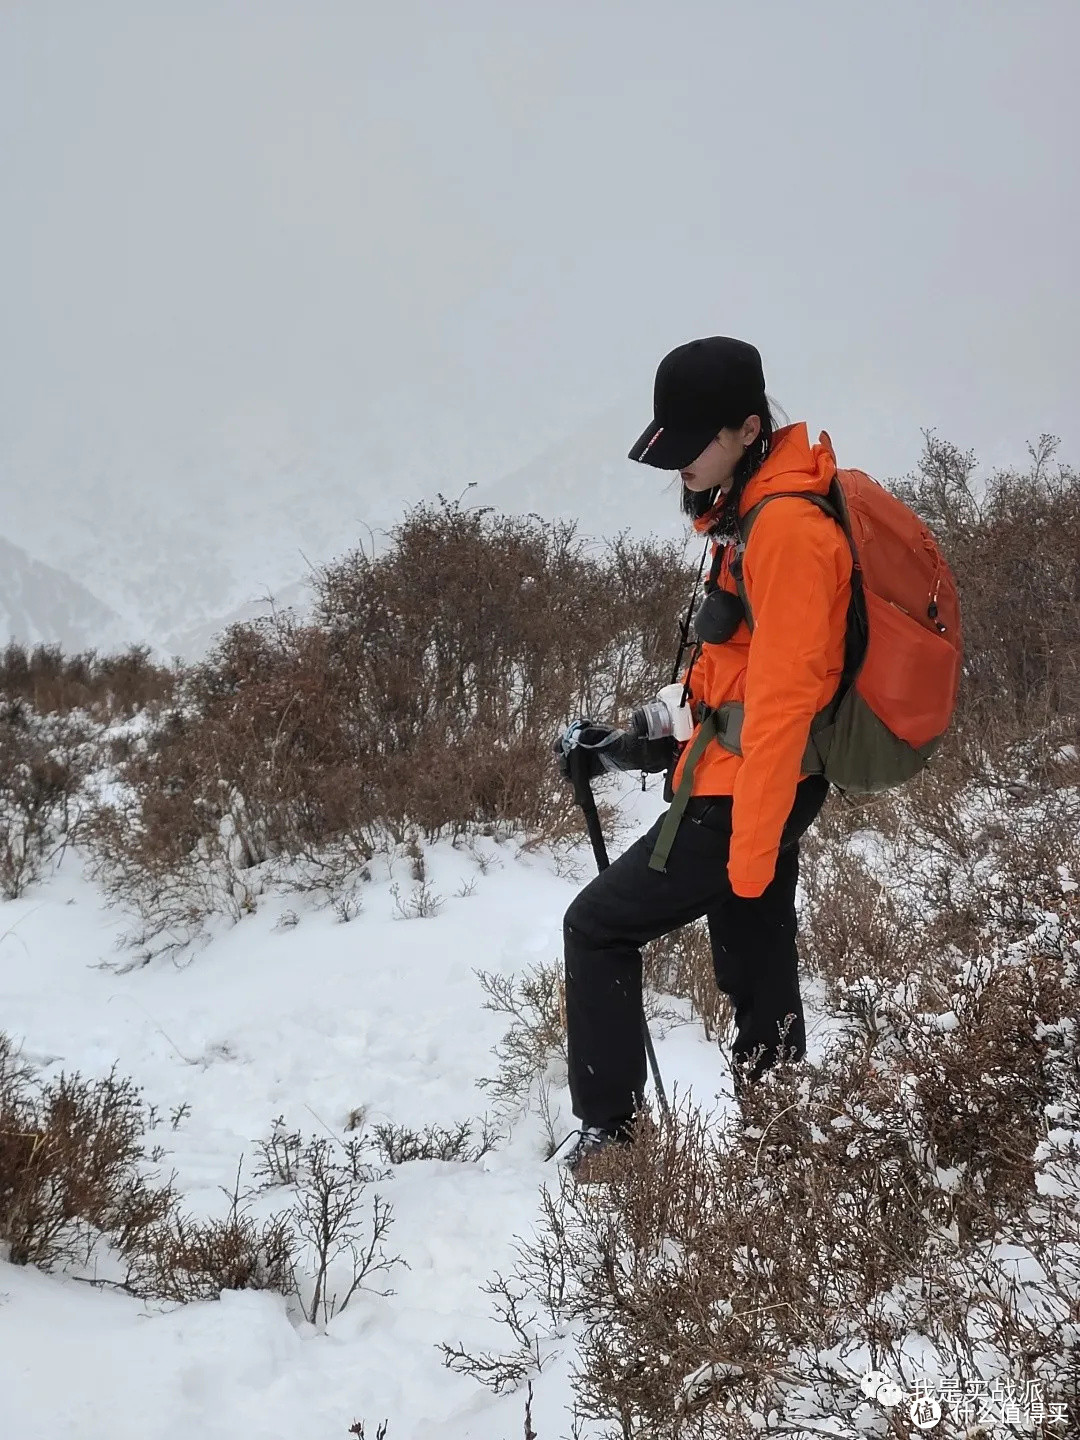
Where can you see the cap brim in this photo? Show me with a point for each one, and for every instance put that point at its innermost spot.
(670, 449)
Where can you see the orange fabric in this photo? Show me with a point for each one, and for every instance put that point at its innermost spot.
(797, 573)
(911, 671)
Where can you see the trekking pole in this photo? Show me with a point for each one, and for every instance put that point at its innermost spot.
(584, 797)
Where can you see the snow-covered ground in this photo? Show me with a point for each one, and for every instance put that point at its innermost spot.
(307, 1021)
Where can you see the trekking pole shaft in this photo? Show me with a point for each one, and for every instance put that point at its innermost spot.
(654, 1067)
(592, 824)
(584, 796)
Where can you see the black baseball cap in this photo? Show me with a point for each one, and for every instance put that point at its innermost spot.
(700, 388)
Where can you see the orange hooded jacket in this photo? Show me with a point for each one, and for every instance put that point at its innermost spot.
(797, 573)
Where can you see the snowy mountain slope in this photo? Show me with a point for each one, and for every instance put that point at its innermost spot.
(40, 604)
(308, 1022)
(193, 640)
(186, 534)
(588, 478)
(179, 537)
(585, 478)
(182, 525)
(186, 538)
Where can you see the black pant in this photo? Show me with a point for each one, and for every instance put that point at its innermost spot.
(627, 905)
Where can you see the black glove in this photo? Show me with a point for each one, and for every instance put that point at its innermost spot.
(602, 747)
(635, 752)
(582, 739)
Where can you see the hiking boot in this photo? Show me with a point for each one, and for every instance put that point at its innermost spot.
(596, 1154)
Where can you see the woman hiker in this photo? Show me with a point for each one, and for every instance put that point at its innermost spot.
(734, 853)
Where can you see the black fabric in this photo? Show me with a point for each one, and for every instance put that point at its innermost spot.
(715, 566)
(670, 447)
(721, 612)
(593, 735)
(718, 617)
(700, 388)
(635, 752)
(753, 943)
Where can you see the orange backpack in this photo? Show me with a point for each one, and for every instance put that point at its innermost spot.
(904, 643)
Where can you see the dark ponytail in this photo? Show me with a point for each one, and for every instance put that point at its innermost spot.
(698, 502)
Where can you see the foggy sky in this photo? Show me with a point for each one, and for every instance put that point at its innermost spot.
(459, 230)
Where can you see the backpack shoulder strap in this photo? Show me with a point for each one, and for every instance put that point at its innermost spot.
(835, 506)
(831, 505)
(715, 567)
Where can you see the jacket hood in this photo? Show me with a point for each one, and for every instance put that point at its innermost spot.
(791, 464)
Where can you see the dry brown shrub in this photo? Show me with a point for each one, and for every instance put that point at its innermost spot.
(75, 1176)
(280, 1157)
(401, 1144)
(422, 699)
(72, 1168)
(73, 1172)
(535, 1039)
(704, 1245)
(722, 1273)
(979, 1072)
(329, 1221)
(45, 762)
(185, 1258)
(681, 964)
(851, 924)
(955, 974)
(106, 687)
(319, 1251)
(729, 1269)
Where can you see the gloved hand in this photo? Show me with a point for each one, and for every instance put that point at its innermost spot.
(602, 747)
(590, 742)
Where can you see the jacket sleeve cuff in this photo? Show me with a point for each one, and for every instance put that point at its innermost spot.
(748, 886)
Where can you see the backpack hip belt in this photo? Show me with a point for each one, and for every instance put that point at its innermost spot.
(724, 725)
